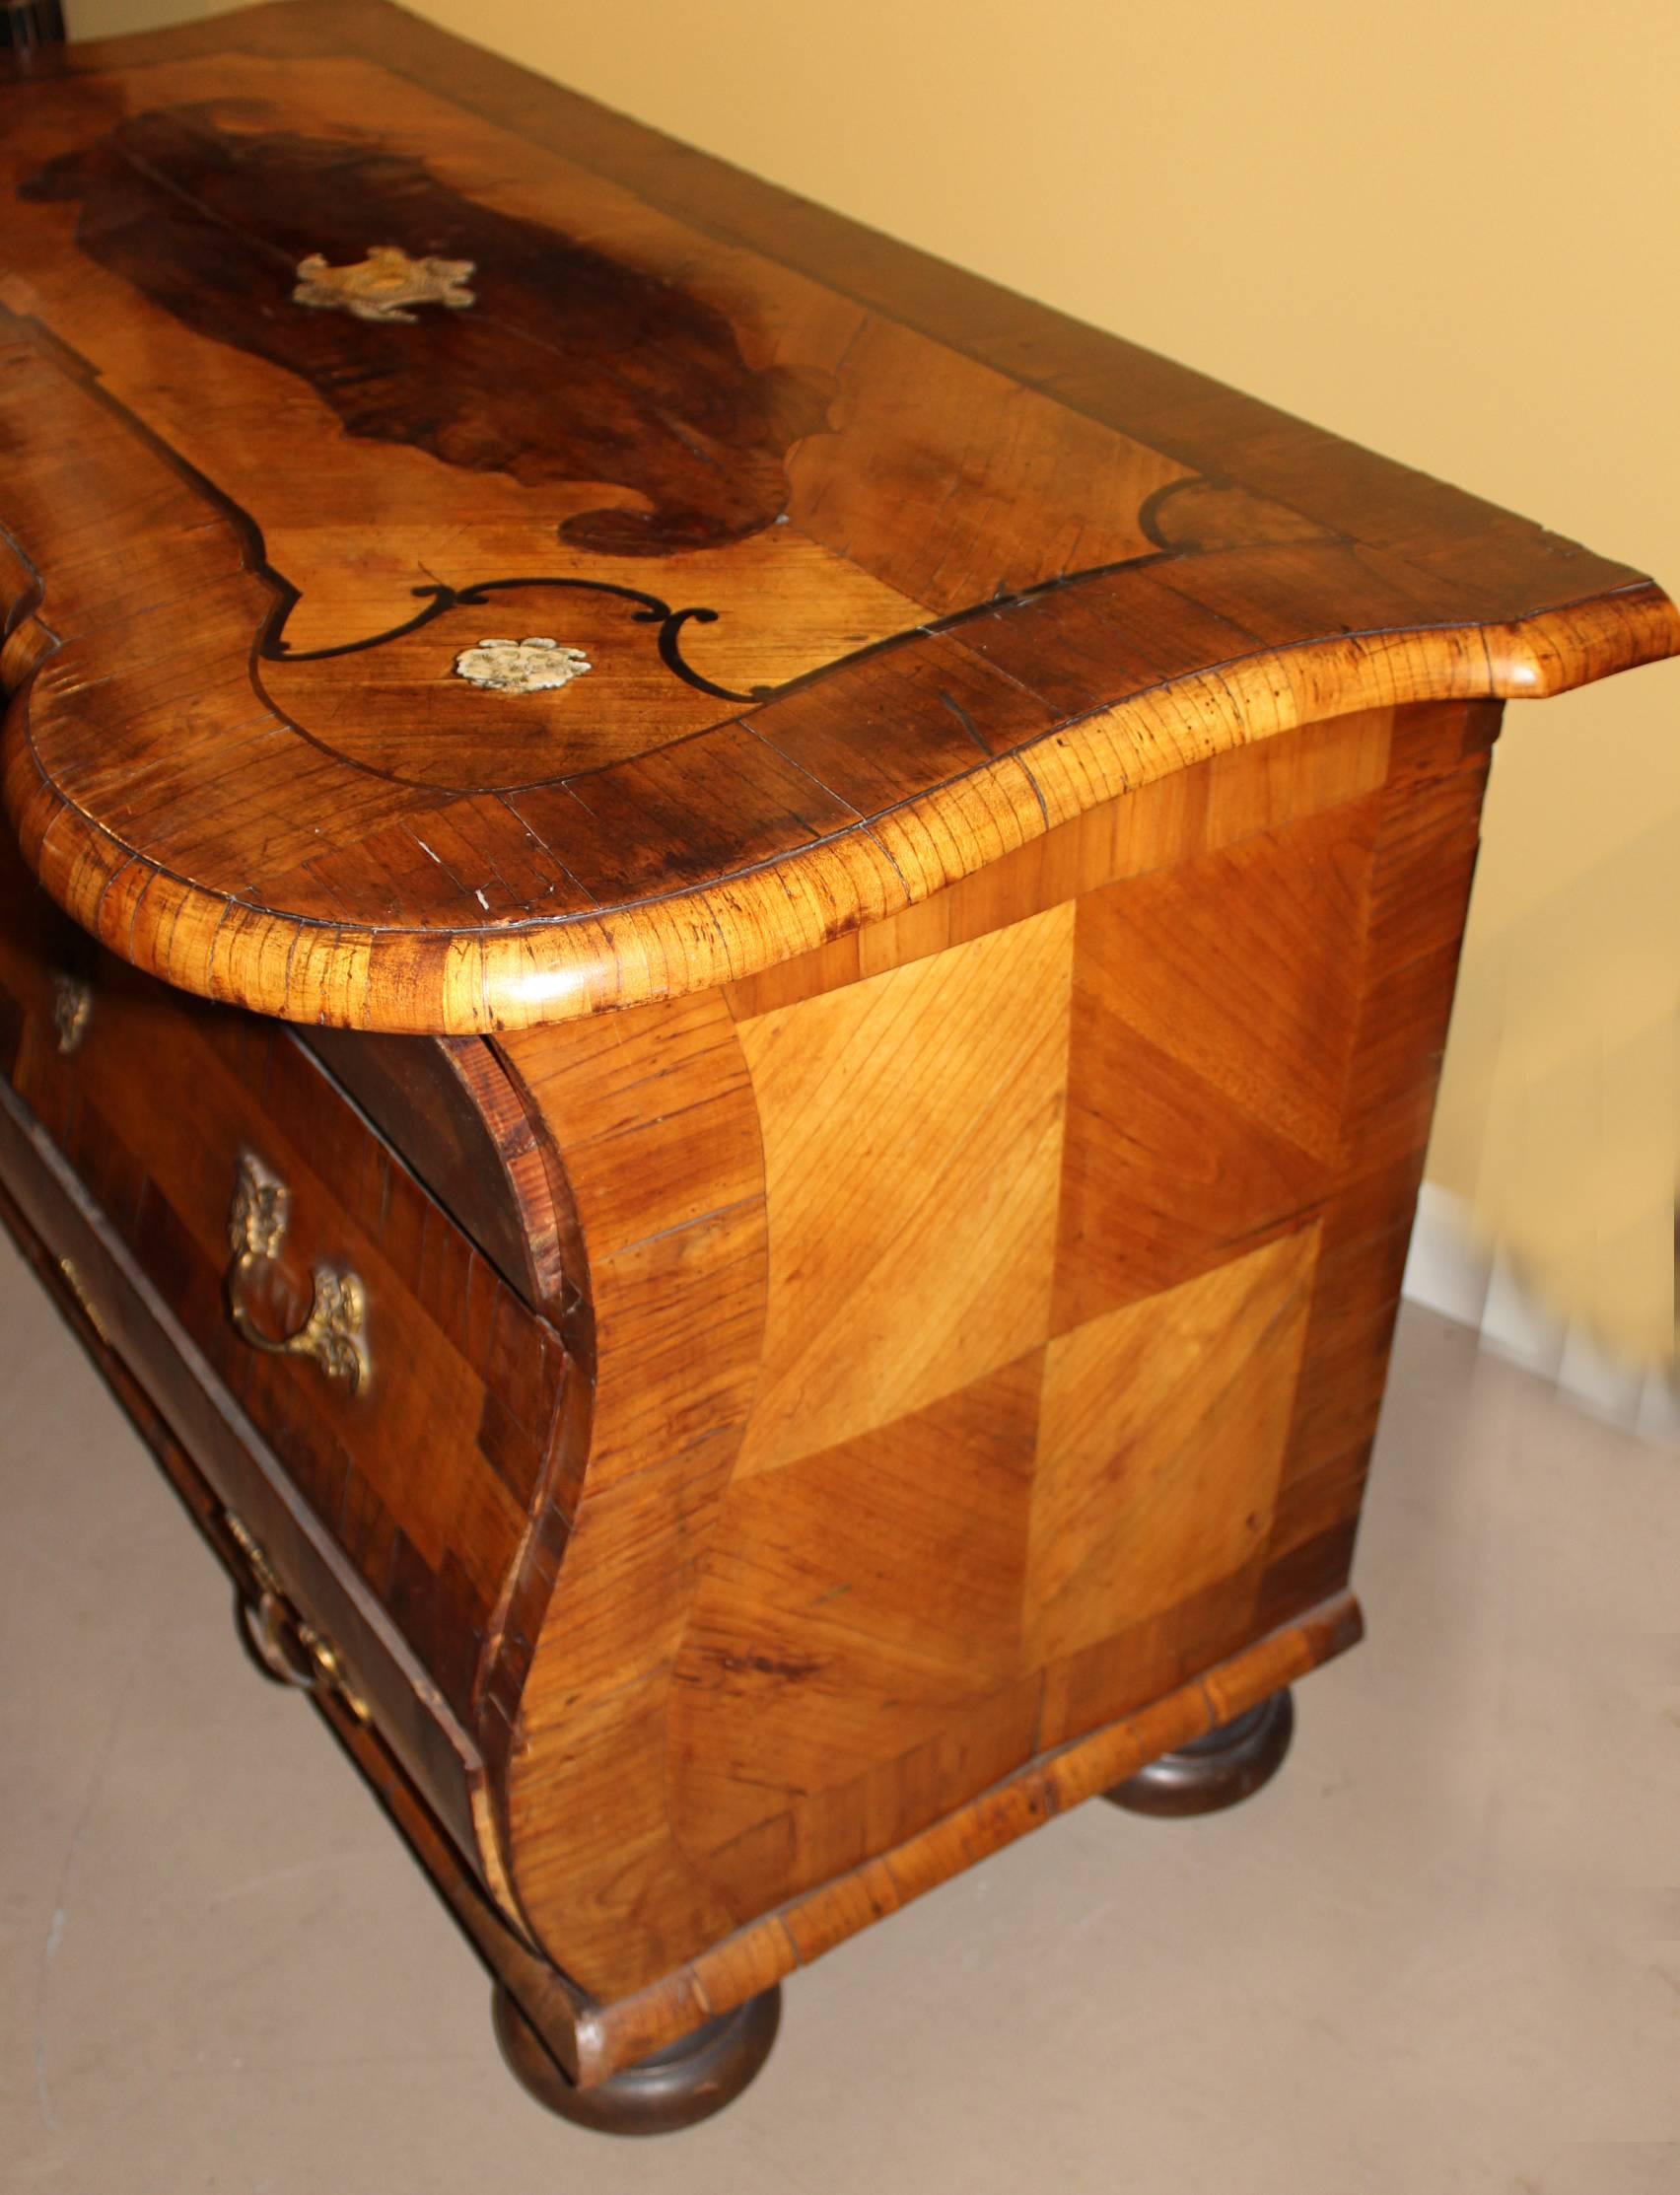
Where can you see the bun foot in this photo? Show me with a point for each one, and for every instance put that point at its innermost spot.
(676, 2087)
(1220, 1769)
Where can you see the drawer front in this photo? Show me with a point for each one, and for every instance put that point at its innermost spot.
(237, 1491)
(408, 1393)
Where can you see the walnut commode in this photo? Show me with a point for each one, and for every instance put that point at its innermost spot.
(722, 967)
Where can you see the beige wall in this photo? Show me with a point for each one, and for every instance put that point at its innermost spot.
(1446, 229)
(110, 19)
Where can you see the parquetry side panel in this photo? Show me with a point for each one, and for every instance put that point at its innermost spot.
(1045, 1220)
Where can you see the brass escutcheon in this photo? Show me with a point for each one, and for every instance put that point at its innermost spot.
(72, 1009)
(332, 1332)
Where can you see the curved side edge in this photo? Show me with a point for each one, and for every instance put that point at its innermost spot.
(440, 982)
(535, 1177)
(664, 1163)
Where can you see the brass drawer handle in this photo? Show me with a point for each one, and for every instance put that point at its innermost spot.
(72, 1009)
(332, 1332)
(291, 1650)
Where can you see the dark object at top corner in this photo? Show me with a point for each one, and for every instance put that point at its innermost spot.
(25, 24)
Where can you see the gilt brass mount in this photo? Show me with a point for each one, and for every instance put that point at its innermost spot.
(332, 1332)
(72, 1009)
(291, 1650)
(85, 1303)
(383, 285)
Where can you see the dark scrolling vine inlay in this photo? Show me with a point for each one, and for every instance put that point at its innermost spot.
(572, 367)
(440, 600)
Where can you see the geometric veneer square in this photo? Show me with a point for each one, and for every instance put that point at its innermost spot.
(1162, 1433)
(1213, 1018)
(853, 1604)
(912, 1130)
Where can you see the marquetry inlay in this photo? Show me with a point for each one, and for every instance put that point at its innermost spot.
(533, 665)
(382, 285)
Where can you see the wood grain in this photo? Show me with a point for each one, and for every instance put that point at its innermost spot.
(880, 1123)
(591, 2039)
(129, 1333)
(991, 1313)
(460, 1125)
(154, 1108)
(881, 574)
(908, 1170)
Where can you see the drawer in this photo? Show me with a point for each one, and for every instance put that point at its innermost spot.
(233, 1486)
(409, 1393)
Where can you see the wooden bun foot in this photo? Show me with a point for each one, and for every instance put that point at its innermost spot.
(1220, 1769)
(675, 2087)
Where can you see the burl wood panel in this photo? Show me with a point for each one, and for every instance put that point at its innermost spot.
(991, 1313)
(880, 573)
(199, 217)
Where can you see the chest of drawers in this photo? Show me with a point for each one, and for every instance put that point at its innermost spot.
(721, 965)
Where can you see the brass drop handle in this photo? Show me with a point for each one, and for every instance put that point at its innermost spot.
(271, 1635)
(291, 1650)
(332, 1332)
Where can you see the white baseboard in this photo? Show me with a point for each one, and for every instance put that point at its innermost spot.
(1451, 1272)
(1446, 1269)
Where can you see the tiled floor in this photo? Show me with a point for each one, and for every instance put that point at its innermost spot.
(1441, 1953)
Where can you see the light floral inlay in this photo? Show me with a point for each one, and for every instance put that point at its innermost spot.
(533, 666)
